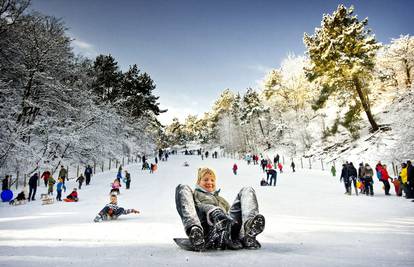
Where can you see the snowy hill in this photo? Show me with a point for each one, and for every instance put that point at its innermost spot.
(309, 222)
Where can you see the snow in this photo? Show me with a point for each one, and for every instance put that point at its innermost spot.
(309, 222)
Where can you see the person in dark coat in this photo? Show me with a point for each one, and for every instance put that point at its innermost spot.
(5, 183)
(88, 174)
(273, 176)
(33, 186)
(352, 173)
(293, 166)
(80, 180)
(127, 179)
(410, 179)
(345, 178)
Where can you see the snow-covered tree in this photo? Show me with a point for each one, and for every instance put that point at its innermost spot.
(342, 54)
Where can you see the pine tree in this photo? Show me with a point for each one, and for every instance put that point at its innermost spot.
(107, 78)
(342, 54)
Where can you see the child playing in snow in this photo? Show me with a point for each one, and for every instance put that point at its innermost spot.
(59, 187)
(280, 166)
(209, 220)
(112, 210)
(51, 182)
(397, 187)
(235, 169)
(115, 186)
(73, 196)
(80, 180)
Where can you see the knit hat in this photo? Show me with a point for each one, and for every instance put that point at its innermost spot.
(203, 171)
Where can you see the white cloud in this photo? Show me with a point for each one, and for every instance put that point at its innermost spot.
(259, 68)
(84, 48)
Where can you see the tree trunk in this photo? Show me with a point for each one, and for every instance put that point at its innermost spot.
(407, 73)
(365, 104)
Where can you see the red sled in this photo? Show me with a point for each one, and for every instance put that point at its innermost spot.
(69, 200)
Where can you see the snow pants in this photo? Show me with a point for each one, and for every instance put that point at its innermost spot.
(32, 192)
(87, 179)
(59, 195)
(244, 207)
(386, 186)
(369, 189)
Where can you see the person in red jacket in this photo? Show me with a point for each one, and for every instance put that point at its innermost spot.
(235, 169)
(45, 176)
(280, 166)
(73, 196)
(397, 187)
(384, 178)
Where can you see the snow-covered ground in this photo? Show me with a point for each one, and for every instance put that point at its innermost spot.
(309, 222)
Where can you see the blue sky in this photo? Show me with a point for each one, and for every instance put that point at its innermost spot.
(195, 49)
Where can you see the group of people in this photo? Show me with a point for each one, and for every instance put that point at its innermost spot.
(362, 180)
(49, 182)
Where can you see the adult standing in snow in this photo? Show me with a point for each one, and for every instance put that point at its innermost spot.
(410, 179)
(88, 174)
(352, 173)
(5, 183)
(263, 163)
(33, 186)
(345, 178)
(209, 220)
(63, 173)
(235, 169)
(45, 176)
(384, 178)
(403, 177)
(127, 179)
(272, 173)
(276, 159)
(361, 171)
(333, 170)
(293, 166)
(368, 173)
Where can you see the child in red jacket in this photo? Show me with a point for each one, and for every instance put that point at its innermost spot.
(235, 169)
(397, 187)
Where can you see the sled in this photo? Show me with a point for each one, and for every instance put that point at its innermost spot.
(184, 243)
(17, 202)
(47, 201)
(69, 200)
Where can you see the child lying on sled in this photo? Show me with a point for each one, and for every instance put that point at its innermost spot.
(112, 211)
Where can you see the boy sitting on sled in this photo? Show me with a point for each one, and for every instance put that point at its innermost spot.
(112, 210)
(211, 223)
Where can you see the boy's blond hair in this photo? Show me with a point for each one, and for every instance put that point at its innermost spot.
(203, 171)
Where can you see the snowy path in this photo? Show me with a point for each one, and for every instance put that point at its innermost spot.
(309, 222)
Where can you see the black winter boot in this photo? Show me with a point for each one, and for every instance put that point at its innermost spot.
(196, 237)
(252, 228)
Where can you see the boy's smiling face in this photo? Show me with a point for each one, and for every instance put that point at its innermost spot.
(208, 182)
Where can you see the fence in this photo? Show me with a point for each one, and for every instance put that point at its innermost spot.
(22, 180)
(324, 165)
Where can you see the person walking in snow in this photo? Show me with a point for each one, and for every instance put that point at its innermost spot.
(345, 178)
(63, 173)
(112, 211)
(293, 166)
(333, 170)
(51, 182)
(88, 174)
(235, 169)
(127, 179)
(45, 176)
(263, 163)
(33, 186)
(361, 171)
(210, 222)
(352, 173)
(60, 185)
(368, 173)
(403, 178)
(410, 179)
(80, 180)
(384, 178)
(280, 166)
(119, 175)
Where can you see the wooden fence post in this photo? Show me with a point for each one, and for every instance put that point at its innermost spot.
(322, 165)
(310, 163)
(94, 167)
(102, 166)
(123, 161)
(116, 163)
(301, 162)
(77, 171)
(109, 164)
